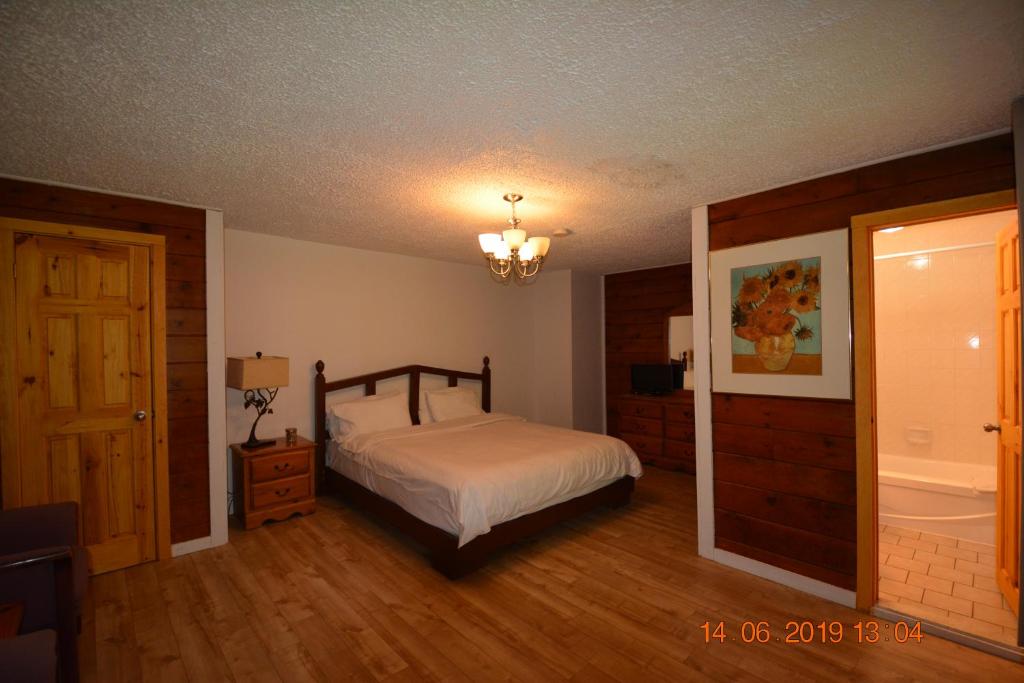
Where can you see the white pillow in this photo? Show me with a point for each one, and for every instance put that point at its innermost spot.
(452, 403)
(369, 414)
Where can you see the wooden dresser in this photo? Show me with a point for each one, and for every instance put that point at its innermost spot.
(273, 482)
(660, 429)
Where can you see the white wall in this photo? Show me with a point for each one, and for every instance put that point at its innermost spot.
(550, 349)
(361, 311)
(935, 339)
(587, 353)
(680, 335)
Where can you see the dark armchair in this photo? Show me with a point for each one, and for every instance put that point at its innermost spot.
(43, 567)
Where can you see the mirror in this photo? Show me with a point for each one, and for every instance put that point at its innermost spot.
(680, 344)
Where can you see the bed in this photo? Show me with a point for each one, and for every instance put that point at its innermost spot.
(466, 487)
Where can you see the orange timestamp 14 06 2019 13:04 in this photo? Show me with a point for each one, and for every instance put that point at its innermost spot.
(804, 632)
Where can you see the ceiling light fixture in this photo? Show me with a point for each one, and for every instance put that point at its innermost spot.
(511, 254)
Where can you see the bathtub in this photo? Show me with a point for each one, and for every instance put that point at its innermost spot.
(938, 497)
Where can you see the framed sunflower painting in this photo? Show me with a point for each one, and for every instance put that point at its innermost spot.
(776, 316)
(780, 317)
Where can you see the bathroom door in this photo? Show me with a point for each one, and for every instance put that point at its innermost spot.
(1008, 405)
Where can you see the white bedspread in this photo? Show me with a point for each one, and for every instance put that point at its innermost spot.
(469, 474)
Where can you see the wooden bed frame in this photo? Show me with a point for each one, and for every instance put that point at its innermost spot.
(443, 548)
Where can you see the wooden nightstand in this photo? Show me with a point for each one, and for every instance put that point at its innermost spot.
(273, 482)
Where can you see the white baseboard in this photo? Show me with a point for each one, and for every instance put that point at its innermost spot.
(195, 545)
(844, 597)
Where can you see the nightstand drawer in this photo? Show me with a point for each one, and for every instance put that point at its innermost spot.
(639, 409)
(270, 467)
(280, 491)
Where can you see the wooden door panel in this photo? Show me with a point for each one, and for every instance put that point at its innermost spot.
(61, 346)
(121, 472)
(60, 275)
(65, 469)
(115, 360)
(1008, 404)
(114, 279)
(95, 513)
(88, 302)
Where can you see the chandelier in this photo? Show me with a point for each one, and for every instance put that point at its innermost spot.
(511, 254)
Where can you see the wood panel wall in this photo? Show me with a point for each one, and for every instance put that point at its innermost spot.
(184, 229)
(637, 306)
(785, 481)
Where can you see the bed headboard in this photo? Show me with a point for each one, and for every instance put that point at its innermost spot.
(321, 387)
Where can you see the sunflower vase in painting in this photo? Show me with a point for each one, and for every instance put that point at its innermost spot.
(776, 318)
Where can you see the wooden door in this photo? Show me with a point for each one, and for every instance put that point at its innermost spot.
(1008, 460)
(85, 389)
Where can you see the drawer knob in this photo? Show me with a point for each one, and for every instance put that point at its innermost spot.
(281, 467)
(282, 494)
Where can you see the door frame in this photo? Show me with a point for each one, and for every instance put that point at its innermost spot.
(158, 354)
(861, 250)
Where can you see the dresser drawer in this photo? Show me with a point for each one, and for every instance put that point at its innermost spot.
(678, 449)
(640, 425)
(629, 408)
(649, 445)
(680, 412)
(673, 464)
(681, 456)
(280, 491)
(679, 431)
(270, 467)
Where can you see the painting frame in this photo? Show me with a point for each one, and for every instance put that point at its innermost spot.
(831, 248)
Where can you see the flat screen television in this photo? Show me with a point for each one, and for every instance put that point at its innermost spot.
(652, 379)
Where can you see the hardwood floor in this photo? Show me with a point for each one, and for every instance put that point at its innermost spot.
(619, 595)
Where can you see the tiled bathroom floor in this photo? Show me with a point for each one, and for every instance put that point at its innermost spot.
(945, 580)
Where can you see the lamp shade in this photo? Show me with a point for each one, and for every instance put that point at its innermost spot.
(502, 251)
(540, 245)
(264, 372)
(514, 237)
(489, 242)
(526, 252)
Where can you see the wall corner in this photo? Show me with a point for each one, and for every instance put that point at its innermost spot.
(702, 384)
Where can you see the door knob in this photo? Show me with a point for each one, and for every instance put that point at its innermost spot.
(989, 427)
(140, 415)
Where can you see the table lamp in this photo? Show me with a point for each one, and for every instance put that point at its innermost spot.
(259, 378)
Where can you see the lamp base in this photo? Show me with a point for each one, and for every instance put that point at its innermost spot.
(253, 444)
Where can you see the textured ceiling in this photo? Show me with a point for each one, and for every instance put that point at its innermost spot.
(397, 126)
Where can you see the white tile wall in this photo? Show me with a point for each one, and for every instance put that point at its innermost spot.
(935, 325)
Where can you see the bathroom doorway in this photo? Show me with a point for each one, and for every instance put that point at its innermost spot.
(941, 299)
